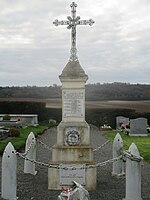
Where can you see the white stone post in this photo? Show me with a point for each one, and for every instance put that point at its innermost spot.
(133, 175)
(118, 166)
(9, 173)
(30, 149)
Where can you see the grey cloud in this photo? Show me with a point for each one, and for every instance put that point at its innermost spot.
(33, 51)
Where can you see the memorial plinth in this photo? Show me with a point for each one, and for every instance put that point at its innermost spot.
(73, 148)
(72, 151)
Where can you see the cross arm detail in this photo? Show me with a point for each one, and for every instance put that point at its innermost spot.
(71, 23)
(62, 22)
(85, 22)
(74, 22)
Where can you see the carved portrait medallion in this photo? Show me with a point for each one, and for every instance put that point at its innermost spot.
(72, 136)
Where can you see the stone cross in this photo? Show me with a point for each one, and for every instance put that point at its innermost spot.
(72, 22)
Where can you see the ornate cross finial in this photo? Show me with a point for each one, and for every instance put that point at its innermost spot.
(72, 22)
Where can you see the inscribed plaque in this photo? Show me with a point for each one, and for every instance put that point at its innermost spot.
(73, 103)
(67, 176)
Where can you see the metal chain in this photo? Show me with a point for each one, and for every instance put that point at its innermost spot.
(129, 155)
(109, 161)
(69, 168)
(44, 145)
(27, 151)
(100, 147)
(49, 148)
(36, 162)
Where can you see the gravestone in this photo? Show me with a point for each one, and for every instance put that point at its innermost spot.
(138, 127)
(121, 120)
(72, 151)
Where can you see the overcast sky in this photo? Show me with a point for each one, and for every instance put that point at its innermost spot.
(115, 49)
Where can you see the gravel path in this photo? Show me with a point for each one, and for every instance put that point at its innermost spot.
(108, 187)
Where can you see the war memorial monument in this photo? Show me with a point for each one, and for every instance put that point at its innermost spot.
(72, 155)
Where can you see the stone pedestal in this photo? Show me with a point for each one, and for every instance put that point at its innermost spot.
(54, 179)
(73, 149)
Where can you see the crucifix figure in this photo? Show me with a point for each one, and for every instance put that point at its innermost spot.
(72, 22)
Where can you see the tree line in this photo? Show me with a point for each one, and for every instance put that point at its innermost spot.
(95, 92)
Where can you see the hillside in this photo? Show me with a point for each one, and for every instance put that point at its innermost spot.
(94, 92)
(118, 91)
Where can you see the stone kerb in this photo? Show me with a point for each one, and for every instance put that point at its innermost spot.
(9, 173)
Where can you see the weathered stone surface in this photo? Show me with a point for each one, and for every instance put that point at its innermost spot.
(138, 127)
(118, 166)
(73, 132)
(133, 176)
(73, 70)
(121, 120)
(29, 167)
(66, 176)
(73, 154)
(9, 173)
(82, 127)
(54, 179)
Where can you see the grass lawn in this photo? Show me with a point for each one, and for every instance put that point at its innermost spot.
(143, 143)
(18, 142)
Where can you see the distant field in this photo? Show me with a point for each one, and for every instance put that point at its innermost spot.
(139, 106)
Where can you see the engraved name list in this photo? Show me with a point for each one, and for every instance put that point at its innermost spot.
(73, 103)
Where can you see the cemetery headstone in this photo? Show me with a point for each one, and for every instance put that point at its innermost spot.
(121, 120)
(138, 127)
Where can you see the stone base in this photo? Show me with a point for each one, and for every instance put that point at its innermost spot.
(140, 135)
(129, 199)
(61, 154)
(54, 179)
